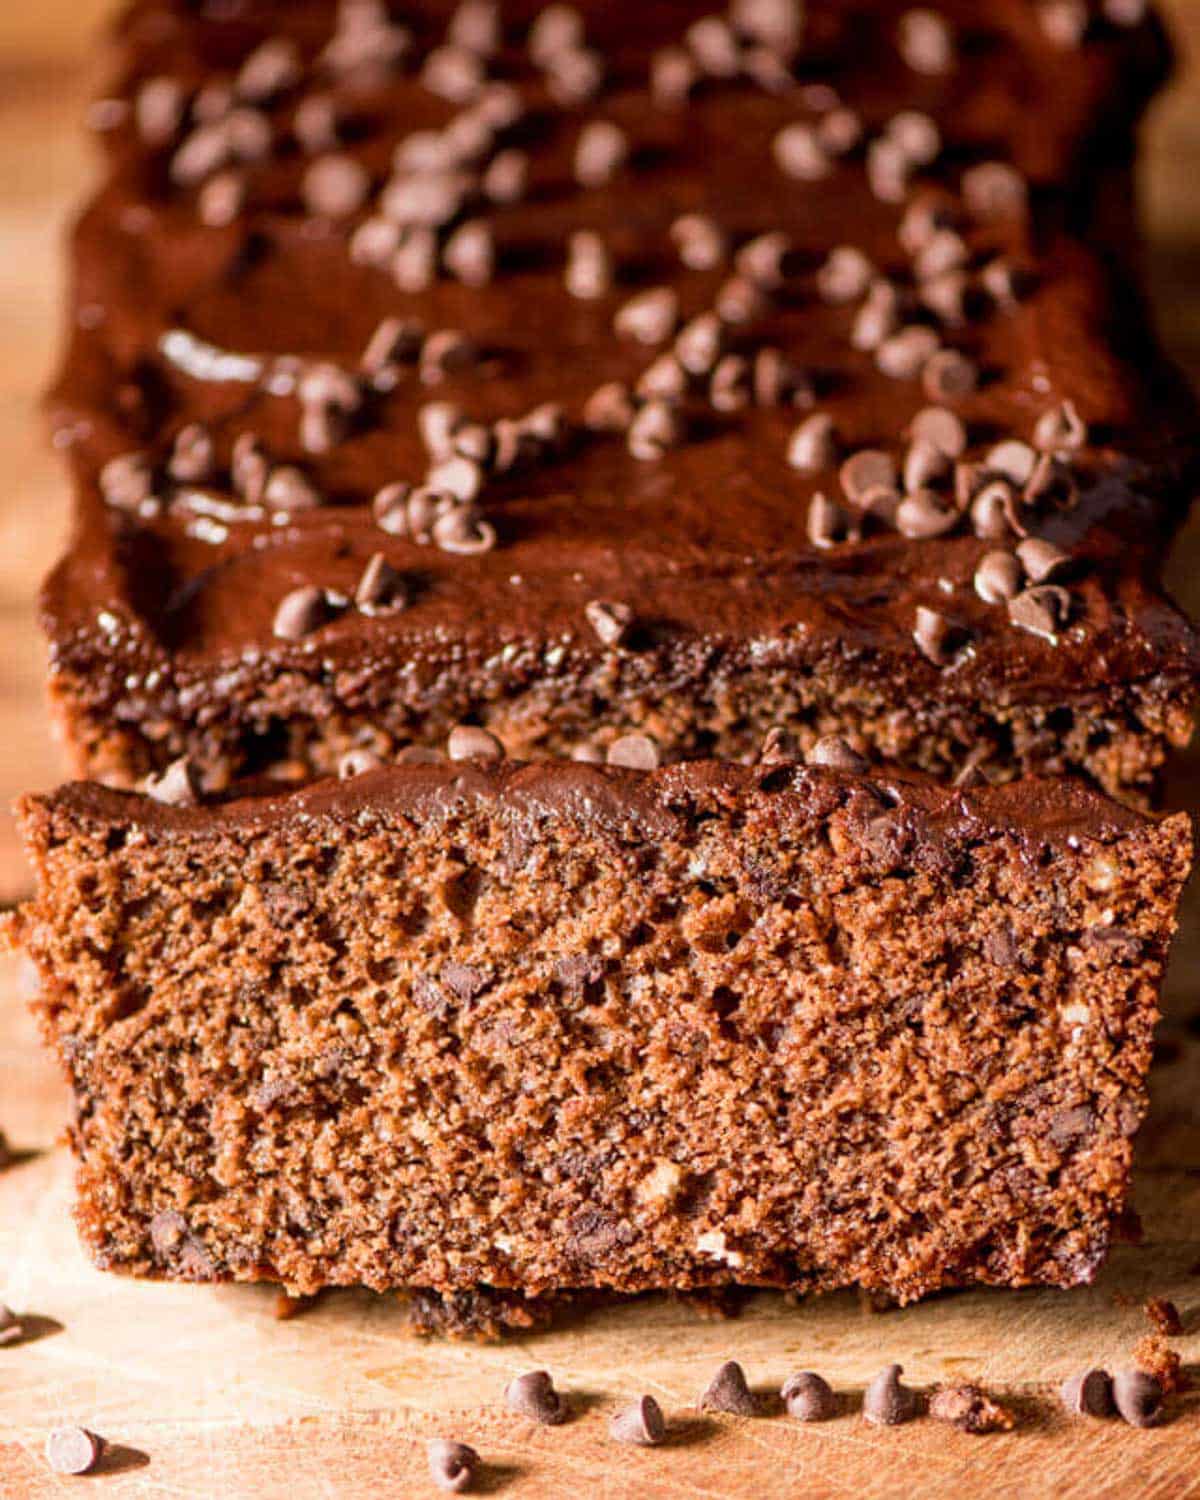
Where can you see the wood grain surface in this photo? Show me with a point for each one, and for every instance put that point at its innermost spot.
(204, 1394)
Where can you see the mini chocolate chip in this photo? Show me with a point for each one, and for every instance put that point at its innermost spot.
(447, 351)
(611, 620)
(888, 170)
(452, 1466)
(395, 344)
(177, 786)
(994, 190)
(840, 130)
(463, 531)
(917, 136)
(327, 384)
(1088, 1394)
(926, 41)
(250, 468)
(949, 375)
(533, 1394)
(437, 422)
(221, 199)
(468, 742)
(921, 221)
(881, 501)
(657, 427)
(727, 1391)
(673, 76)
(641, 1423)
(1051, 479)
(300, 613)
(845, 275)
(779, 381)
(943, 429)
(507, 177)
(730, 389)
(474, 441)
(800, 153)
(202, 152)
(827, 523)
(701, 242)
(192, 455)
(375, 242)
(762, 259)
(835, 754)
(866, 469)
(73, 1450)
(159, 109)
(336, 186)
(1060, 430)
(767, 69)
(1043, 610)
(1041, 559)
(1126, 12)
(380, 588)
(887, 1403)
(638, 752)
(476, 26)
(1063, 22)
(1137, 1397)
(878, 318)
(453, 73)
(288, 489)
(924, 464)
(1004, 282)
(589, 272)
(547, 424)
(994, 510)
(557, 29)
(414, 265)
(739, 301)
(609, 408)
(937, 638)
(651, 317)
(470, 253)
(946, 297)
(665, 379)
(998, 577)
(600, 153)
(923, 515)
(1012, 460)
(714, 45)
(778, 745)
(813, 445)
(127, 482)
(574, 77)
(808, 1397)
(699, 343)
(315, 123)
(357, 763)
(944, 251)
(905, 354)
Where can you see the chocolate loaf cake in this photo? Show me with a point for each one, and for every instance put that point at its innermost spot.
(582, 370)
(533, 1028)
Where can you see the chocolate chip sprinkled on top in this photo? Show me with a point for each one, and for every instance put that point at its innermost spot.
(557, 29)
(778, 745)
(761, 260)
(250, 468)
(470, 253)
(845, 275)
(728, 1391)
(1041, 559)
(808, 1397)
(650, 317)
(468, 742)
(336, 186)
(271, 69)
(730, 386)
(994, 511)
(714, 45)
(779, 381)
(942, 428)
(300, 613)
(446, 352)
(395, 345)
(949, 375)
(640, 1423)
(840, 131)
(611, 620)
(380, 588)
(886, 1402)
(905, 354)
(1042, 610)
(177, 786)
(937, 638)
(12, 1330)
(476, 26)
(506, 177)
(357, 763)
(926, 42)
(463, 531)
(657, 427)
(1088, 1394)
(998, 577)
(740, 301)
(193, 456)
(287, 488)
(1060, 430)
(1063, 22)
(866, 469)
(128, 481)
(600, 153)
(639, 752)
(452, 1466)
(923, 515)
(827, 522)
(316, 124)
(73, 1450)
(1012, 459)
(924, 464)
(589, 272)
(574, 77)
(533, 1394)
(699, 343)
(1137, 1397)
(673, 75)
(221, 200)
(800, 153)
(878, 318)
(813, 445)
(994, 190)
(609, 408)
(917, 136)
(665, 379)
(834, 753)
(159, 109)
(700, 240)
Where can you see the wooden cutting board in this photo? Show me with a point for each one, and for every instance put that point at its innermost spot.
(201, 1390)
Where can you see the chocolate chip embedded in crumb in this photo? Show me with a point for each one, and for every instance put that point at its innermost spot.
(73, 1450)
(651, 317)
(177, 786)
(937, 637)
(609, 408)
(813, 445)
(728, 1391)
(778, 745)
(1088, 1394)
(866, 469)
(610, 619)
(970, 1409)
(702, 243)
(273, 67)
(926, 42)
(637, 752)
(380, 588)
(998, 577)
(12, 1331)
(1060, 430)
(533, 1395)
(887, 1403)
(1137, 1397)
(808, 1397)
(357, 763)
(832, 752)
(1042, 610)
(452, 1466)
(640, 1423)
(469, 742)
(300, 613)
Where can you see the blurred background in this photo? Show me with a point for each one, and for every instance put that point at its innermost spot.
(51, 59)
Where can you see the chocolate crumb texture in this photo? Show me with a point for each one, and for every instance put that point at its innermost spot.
(970, 1409)
(1164, 1316)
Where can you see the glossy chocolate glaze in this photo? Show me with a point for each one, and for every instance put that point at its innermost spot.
(707, 544)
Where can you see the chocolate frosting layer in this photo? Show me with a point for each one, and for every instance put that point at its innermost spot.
(177, 322)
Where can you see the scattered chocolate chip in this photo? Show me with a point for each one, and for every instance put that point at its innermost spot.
(865, 470)
(395, 345)
(159, 109)
(1060, 430)
(271, 69)
(1005, 283)
(127, 482)
(917, 136)
(657, 427)
(926, 42)
(1126, 12)
(447, 351)
(905, 354)
(800, 153)
(476, 26)
(375, 242)
(841, 130)
(557, 29)
(845, 276)
(468, 742)
(827, 523)
(574, 77)
(452, 1466)
(778, 745)
(762, 259)
(600, 153)
(470, 253)
(701, 242)
(437, 422)
(730, 386)
(1063, 22)
(356, 763)
(888, 169)
(887, 1403)
(925, 464)
(611, 620)
(728, 1391)
(923, 515)
(1012, 460)
(949, 375)
(1042, 610)
(994, 190)
(463, 531)
(673, 76)
(300, 613)
(969, 1409)
(177, 786)
(533, 1395)
(998, 577)
(739, 301)
(1162, 1312)
(73, 1450)
(609, 408)
(835, 754)
(380, 588)
(1137, 1397)
(651, 317)
(714, 45)
(699, 343)
(221, 199)
(665, 379)
(315, 123)
(248, 133)
(453, 73)
(779, 381)
(943, 429)
(813, 445)
(335, 186)
(390, 508)
(287, 488)
(192, 455)
(808, 1397)
(640, 1423)
(1042, 560)
(458, 476)
(937, 638)
(638, 752)
(507, 177)
(204, 151)
(943, 252)
(878, 318)
(589, 272)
